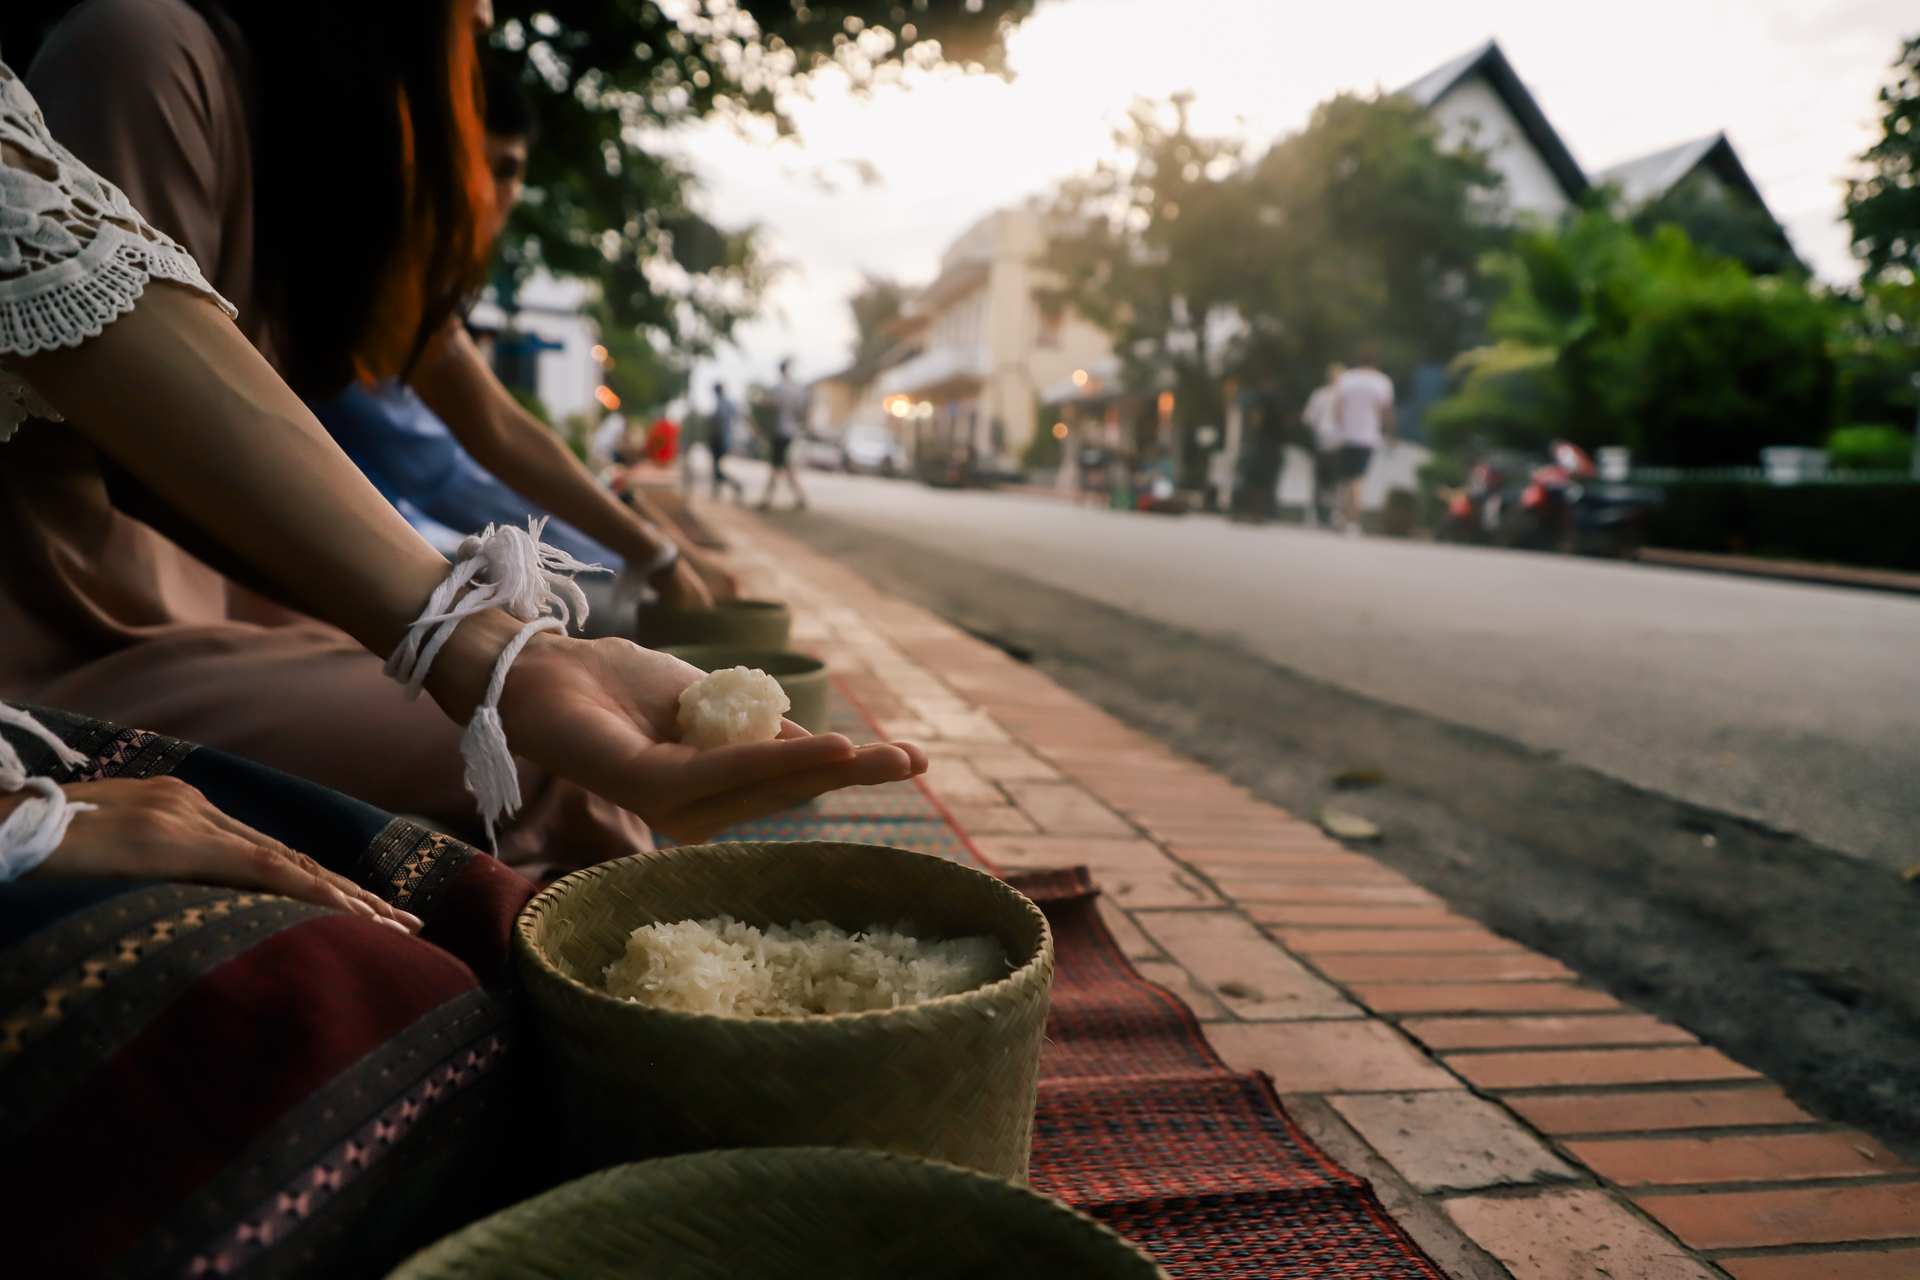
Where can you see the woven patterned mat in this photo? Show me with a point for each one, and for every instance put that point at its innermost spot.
(1140, 1123)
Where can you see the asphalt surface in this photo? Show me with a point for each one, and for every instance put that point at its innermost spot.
(1789, 953)
(1792, 705)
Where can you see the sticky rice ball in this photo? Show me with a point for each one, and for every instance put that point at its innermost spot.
(738, 704)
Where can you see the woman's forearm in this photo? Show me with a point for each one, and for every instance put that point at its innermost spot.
(175, 394)
(455, 382)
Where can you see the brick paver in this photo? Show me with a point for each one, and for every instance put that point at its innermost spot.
(1782, 1157)
(1429, 1053)
(1309, 942)
(1451, 1141)
(1896, 1264)
(1563, 1067)
(1481, 997)
(1329, 1057)
(1443, 1034)
(1250, 975)
(1668, 1109)
(1797, 1215)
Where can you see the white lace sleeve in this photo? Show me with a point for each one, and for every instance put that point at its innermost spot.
(74, 254)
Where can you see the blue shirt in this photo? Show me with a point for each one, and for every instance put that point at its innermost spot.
(411, 457)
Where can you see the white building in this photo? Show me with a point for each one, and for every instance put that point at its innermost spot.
(551, 311)
(1479, 102)
(1709, 161)
(983, 345)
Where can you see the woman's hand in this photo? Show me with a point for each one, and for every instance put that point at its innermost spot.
(605, 714)
(682, 587)
(164, 829)
(719, 579)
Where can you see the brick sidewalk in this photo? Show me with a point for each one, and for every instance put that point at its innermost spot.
(1518, 1123)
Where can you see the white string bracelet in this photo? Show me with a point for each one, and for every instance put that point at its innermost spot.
(501, 567)
(664, 559)
(35, 829)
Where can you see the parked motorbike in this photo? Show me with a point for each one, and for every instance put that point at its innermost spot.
(1555, 503)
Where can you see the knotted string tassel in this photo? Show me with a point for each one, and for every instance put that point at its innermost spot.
(35, 829)
(501, 567)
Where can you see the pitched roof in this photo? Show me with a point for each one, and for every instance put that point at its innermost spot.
(1651, 176)
(1489, 62)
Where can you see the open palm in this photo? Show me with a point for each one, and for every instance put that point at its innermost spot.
(604, 714)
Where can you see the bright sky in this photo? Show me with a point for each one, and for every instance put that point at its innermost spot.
(1793, 82)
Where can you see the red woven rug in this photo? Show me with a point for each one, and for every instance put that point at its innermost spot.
(1142, 1126)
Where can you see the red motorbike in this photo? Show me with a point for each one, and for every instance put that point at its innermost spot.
(1555, 503)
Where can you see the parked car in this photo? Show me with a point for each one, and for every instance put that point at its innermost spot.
(820, 455)
(870, 450)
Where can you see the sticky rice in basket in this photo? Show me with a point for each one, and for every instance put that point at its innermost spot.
(726, 967)
(774, 1010)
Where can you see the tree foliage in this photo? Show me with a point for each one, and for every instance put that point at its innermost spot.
(1206, 264)
(1721, 222)
(1608, 337)
(1883, 208)
(875, 306)
(610, 77)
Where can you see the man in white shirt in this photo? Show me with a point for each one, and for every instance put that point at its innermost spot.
(790, 402)
(1363, 408)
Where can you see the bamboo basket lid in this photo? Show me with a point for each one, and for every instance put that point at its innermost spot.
(794, 1213)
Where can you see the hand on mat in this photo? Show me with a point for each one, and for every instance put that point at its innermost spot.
(164, 829)
(719, 579)
(605, 714)
(683, 587)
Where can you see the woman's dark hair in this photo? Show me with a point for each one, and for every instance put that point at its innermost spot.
(370, 185)
(509, 109)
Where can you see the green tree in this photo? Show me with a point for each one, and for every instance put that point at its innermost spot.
(1883, 208)
(1607, 337)
(1148, 249)
(609, 77)
(875, 306)
(1207, 266)
(1722, 222)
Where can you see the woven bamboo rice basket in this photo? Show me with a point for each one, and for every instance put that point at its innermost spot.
(803, 679)
(952, 1079)
(796, 1213)
(757, 624)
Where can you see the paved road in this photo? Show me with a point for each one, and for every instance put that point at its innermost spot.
(1797, 706)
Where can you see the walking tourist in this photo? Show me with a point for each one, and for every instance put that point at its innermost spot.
(1363, 407)
(723, 435)
(789, 417)
(1324, 424)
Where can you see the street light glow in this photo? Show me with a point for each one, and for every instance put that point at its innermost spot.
(607, 399)
(1079, 377)
(1059, 431)
(598, 353)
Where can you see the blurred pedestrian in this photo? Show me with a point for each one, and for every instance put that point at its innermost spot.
(723, 436)
(789, 401)
(1324, 423)
(1363, 406)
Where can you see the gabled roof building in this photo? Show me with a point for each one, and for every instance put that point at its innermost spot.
(1646, 179)
(1479, 101)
